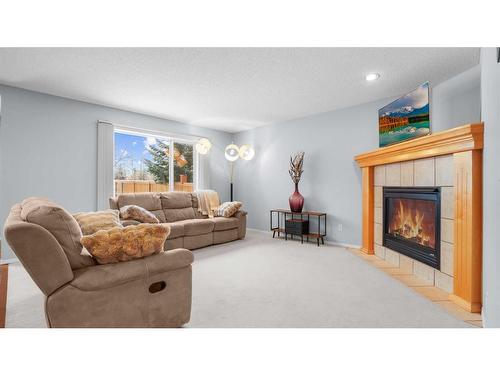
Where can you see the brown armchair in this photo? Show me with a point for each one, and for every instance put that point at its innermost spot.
(150, 292)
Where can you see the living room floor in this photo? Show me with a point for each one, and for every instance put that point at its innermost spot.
(265, 282)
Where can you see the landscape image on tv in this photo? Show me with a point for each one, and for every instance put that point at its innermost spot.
(405, 118)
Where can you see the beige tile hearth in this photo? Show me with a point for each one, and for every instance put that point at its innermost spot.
(444, 170)
(407, 173)
(424, 172)
(432, 293)
(397, 271)
(380, 251)
(393, 174)
(458, 311)
(424, 272)
(378, 234)
(443, 281)
(392, 257)
(447, 230)
(378, 192)
(412, 280)
(447, 258)
(447, 202)
(380, 263)
(406, 263)
(377, 215)
(438, 294)
(379, 175)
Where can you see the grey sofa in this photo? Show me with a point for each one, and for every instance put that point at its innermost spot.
(189, 229)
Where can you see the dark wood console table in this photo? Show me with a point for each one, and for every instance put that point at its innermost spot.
(279, 217)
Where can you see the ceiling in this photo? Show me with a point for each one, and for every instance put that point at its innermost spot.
(230, 89)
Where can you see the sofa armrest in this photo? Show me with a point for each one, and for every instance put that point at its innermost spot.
(110, 275)
(240, 213)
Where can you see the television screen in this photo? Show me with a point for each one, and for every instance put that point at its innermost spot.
(405, 118)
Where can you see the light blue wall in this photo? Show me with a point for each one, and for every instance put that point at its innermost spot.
(457, 100)
(332, 180)
(490, 98)
(48, 147)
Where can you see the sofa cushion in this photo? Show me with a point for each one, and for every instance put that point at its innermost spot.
(149, 201)
(160, 215)
(176, 199)
(176, 230)
(178, 214)
(224, 223)
(123, 244)
(195, 227)
(91, 222)
(60, 224)
(138, 213)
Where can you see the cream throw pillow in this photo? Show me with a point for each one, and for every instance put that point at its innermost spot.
(228, 209)
(123, 244)
(133, 212)
(91, 222)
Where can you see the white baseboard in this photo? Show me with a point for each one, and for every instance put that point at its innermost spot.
(342, 244)
(331, 243)
(259, 230)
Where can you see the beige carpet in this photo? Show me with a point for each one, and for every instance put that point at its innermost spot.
(265, 282)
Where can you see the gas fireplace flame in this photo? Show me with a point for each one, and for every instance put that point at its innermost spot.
(408, 222)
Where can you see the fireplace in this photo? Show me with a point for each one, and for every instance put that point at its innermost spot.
(412, 222)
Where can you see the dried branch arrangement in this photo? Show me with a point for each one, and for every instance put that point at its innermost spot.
(296, 164)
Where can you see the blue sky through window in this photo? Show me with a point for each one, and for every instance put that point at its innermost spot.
(130, 153)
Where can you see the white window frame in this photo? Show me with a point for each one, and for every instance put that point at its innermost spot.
(172, 139)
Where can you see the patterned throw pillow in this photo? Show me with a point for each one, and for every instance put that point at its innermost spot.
(91, 222)
(123, 244)
(228, 209)
(133, 212)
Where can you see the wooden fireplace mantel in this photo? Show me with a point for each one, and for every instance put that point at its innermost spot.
(463, 138)
(465, 143)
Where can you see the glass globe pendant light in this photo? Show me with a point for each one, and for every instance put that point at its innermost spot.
(232, 152)
(203, 146)
(247, 152)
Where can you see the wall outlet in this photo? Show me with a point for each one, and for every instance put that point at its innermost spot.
(339, 227)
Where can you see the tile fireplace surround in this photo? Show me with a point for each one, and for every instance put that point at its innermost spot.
(451, 160)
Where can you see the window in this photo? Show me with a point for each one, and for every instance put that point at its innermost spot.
(183, 167)
(145, 163)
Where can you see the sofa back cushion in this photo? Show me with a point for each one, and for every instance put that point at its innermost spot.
(61, 224)
(148, 201)
(177, 206)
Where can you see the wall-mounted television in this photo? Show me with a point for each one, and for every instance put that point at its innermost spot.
(405, 118)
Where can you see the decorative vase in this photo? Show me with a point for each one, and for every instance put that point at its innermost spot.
(296, 200)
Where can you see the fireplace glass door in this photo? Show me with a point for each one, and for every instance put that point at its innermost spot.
(412, 223)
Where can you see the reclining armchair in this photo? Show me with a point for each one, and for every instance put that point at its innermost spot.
(150, 292)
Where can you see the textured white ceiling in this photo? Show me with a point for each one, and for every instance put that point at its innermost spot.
(230, 89)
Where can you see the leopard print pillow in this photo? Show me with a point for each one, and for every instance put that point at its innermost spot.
(228, 209)
(133, 212)
(124, 244)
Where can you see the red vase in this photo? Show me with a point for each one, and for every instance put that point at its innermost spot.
(296, 200)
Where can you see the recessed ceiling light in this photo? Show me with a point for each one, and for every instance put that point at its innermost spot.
(372, 76)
